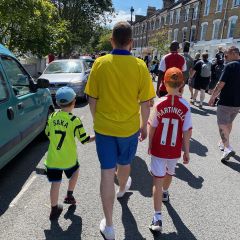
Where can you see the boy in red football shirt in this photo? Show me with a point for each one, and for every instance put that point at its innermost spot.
(170, 130)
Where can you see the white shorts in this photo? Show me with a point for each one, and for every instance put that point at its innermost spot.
(159, 167)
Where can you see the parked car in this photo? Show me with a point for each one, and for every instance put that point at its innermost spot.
(70, 72)
(88, 60)
(24, 106)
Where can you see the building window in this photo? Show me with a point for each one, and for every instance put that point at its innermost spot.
(236, 3)
(232, 26)
(170, 35)
(216, 28)
(186, 14)
(171, 17)
(165, 19)
(175, 36)
(195, 12)
(184, 34)
(204, 31)
(157, 23)
(219, 5)
(178, 16)
(193, 33)
(152, 25)
(207, 7)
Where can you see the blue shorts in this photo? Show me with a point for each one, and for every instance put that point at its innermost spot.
(116, 150)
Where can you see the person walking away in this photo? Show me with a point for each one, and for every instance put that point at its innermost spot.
(126, 82)
(220, 54)
(202, 69)
(62, 128)
(173, 59)
(170, 129)
(229, 100)
(190, 65)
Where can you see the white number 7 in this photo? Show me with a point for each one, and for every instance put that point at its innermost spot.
(166, 122)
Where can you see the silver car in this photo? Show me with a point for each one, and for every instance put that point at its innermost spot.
(70, 72)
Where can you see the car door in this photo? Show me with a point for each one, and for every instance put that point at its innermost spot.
(27, 102)
(9, 131)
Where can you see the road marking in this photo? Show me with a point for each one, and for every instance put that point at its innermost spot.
(24, 189)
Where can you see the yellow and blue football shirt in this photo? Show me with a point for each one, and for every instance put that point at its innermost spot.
(119, 82)
(62, 128)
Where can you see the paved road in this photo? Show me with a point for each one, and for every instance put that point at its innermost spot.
(205, 196)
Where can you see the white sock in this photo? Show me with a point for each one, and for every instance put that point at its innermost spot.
(157, 216)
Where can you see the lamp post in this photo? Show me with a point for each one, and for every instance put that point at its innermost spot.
(131, 10)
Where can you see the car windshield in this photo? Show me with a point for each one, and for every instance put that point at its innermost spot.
(64, 67)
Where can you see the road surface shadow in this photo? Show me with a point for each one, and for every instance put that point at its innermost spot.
(233, 165)
(183, 233)
(198, 148)
(141, 178)
(15, 174)
(184, 174)
(128, 220)
(203, 112)
(73, 232)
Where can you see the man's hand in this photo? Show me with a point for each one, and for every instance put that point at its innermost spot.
(186, 158)
(212, 101)
(143, 134)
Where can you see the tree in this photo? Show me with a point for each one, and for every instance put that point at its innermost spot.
(104, 43)
(160, 42)
(84, 17)
(32, 25)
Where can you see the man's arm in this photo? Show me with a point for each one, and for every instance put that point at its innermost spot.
(92, 105)
(216, 92)
(145, 111)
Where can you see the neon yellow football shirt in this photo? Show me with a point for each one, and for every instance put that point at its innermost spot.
(62, 128)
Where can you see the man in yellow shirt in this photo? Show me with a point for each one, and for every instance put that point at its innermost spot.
(119, 86)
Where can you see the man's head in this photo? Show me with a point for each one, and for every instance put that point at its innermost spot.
(232, 54)
(174, 46)
(65, 97)
(205, 56)
(173, 78)
(220, 49)
(186, 47)
(122, 35)
(197, 55)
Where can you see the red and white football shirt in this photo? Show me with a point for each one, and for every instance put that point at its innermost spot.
(173, 59)
(171, 117)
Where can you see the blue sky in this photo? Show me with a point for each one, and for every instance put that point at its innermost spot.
(122, 8)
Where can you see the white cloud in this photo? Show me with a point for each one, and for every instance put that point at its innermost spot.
(122, 15)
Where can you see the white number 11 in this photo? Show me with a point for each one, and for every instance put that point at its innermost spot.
(166, 122)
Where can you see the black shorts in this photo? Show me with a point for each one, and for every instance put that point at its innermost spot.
(55, 175)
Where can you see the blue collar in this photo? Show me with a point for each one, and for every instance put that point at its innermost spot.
(120, 52)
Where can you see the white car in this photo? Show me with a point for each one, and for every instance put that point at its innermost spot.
(70, 72)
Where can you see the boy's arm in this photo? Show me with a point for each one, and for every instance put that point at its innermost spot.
(81, 134)
(145, 111)
(150, 137)
(92, 104)
(186, 145)
(47, 132)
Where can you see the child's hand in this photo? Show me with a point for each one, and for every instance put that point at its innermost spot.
(186, 158)
(92, 138)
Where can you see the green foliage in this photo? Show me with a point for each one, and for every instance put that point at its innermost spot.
(160, 41)
(32, 25)
(104, 43)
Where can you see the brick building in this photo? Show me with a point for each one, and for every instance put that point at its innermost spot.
(207, 24)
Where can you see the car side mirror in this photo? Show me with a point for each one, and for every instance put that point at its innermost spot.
(42, 83)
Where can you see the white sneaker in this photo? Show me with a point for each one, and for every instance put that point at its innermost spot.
(221, 146)
(127, 187)
(227, 153)
(107, 232)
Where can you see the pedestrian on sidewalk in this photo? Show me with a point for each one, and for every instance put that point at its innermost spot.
(173, 59)
(201, 73)
(62, 128)
(229, 100)
(170, 129)
(119, 86)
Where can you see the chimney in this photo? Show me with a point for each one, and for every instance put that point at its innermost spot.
(167, 3)
(151, 11)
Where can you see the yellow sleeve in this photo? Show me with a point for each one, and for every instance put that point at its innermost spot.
(80, 132)
(92, 87)
(146, 91)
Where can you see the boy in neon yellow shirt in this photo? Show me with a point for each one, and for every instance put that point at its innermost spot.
(62, 128)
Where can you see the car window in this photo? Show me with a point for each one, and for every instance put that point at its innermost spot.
(16, 75)
(3, 89)
(64, 67)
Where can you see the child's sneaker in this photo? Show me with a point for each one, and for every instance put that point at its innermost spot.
(156, 226)
(70, 200)
(56, 212)
(107, 232)
(227, 154)
(165, 197)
